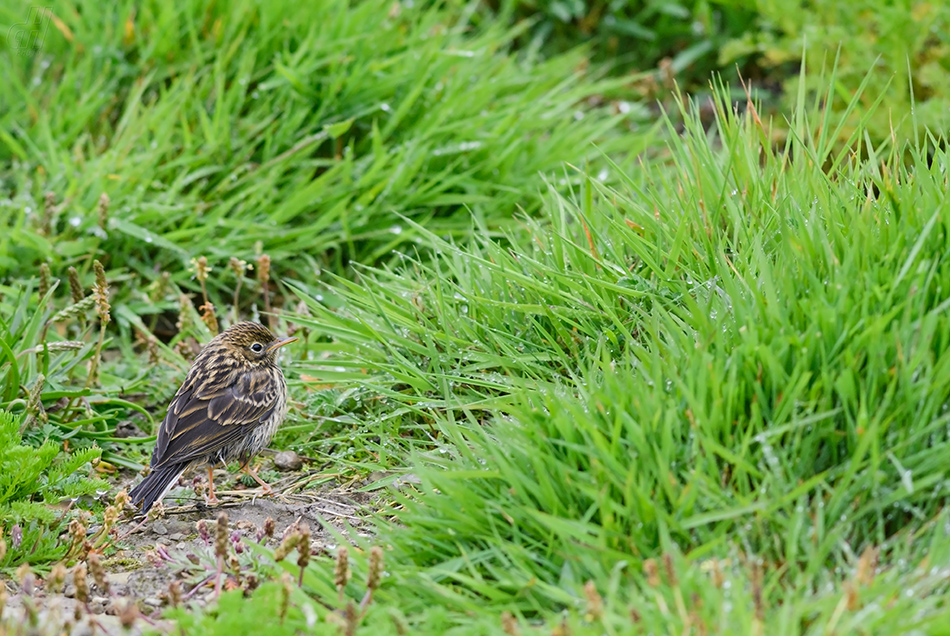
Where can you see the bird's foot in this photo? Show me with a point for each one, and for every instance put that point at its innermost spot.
(265, 487)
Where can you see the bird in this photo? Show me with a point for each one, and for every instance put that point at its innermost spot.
(228, 408)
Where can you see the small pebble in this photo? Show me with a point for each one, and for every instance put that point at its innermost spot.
(177, 536)
(70, 591)
(159, 528)
(288, 461)
(153, 602)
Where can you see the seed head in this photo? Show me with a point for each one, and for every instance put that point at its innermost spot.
(101, 293)
(161, 286)
(208, 317)
(76, 309)
(757, 574)
(303, 549)
(174, 593)
(263, 269)
(79, 580)
(866, 566)
(34, 404)
(121, 499)
(184, 313)
(221, 537)
(670, 570)
(49, 209)
(237, 266)
(201, 268)
(128, 612)
(652, 572)
(717, 576)
(267, 530)
(56, 578)
(286, 546)
(75, 287)
(103, 209)
(341, 573)
(77, 534)
(853, 602)
(109, 517)
(375, 571)
(98, 572)
(45, 280)
(509, 624)
(595, 603)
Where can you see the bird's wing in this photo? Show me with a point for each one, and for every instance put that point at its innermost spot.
(211, 412)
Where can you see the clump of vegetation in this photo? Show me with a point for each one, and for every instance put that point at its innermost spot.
(33, 481)
(687, 362)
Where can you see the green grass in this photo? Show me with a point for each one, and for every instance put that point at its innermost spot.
(748, 357)
(633, 379)
(237, 132)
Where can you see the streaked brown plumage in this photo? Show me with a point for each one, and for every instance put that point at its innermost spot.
(228, 408)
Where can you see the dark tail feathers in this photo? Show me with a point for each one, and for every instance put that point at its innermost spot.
(154, 486)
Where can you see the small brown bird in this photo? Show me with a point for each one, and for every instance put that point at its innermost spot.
(228, 408)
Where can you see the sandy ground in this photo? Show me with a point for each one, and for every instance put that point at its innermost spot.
(160, 551)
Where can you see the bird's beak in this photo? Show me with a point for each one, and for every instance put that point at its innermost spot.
(280, 342)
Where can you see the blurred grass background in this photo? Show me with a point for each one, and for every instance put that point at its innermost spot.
(646, 300)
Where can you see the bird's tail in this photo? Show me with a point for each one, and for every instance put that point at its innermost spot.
(155, 485)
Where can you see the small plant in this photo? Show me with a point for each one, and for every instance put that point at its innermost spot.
(31, 480)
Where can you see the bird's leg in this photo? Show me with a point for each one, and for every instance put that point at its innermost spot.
(211, 499)
(246, 469)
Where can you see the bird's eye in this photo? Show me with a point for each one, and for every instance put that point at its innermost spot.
(257, 347)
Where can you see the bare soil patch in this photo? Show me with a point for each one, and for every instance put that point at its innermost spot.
(148, 557)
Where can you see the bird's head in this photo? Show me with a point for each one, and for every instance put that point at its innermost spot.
(252, 341)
